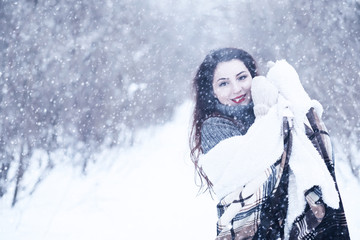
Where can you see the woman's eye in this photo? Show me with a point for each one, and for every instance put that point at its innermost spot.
(242, 77)
(223, 84)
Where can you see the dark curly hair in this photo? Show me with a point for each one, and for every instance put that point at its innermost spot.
(205, 99)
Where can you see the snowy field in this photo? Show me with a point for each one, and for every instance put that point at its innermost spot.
(144, 192)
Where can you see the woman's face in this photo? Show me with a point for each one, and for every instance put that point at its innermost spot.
(232, 83)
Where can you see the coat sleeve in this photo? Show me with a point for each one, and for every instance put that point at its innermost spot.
(216, 129)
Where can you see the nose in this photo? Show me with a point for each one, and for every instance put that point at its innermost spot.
(237, 87)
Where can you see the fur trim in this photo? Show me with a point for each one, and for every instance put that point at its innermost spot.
(237, 160)
(318, 107)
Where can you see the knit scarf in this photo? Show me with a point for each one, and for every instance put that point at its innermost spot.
(242, 114)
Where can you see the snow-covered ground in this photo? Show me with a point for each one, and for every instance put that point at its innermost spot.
(144, 192)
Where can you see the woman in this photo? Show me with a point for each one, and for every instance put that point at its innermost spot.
(259, 145)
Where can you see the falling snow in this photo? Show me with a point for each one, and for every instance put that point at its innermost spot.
(80, 80)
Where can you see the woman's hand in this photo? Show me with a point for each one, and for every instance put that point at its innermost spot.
(264, 95)
(286, 79)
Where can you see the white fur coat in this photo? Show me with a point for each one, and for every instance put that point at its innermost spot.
(236, 161)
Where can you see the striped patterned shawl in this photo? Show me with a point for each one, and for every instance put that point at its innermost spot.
(258, 210)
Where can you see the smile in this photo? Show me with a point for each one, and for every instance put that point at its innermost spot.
(239, 99)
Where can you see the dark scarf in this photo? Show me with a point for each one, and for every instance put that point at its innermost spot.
(242, 115)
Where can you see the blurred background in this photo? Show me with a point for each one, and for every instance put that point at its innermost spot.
(78, 77)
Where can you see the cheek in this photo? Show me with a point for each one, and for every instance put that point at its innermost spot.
(221, 92)
(248, 86)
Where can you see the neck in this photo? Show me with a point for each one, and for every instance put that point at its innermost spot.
(239, 112)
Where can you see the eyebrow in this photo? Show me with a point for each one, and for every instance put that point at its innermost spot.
(240, 73)
(220, 79)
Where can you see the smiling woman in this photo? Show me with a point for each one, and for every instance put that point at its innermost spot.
(261, 147)
(222, 87)
(232, 83)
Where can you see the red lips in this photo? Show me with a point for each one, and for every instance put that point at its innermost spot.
(239, 99)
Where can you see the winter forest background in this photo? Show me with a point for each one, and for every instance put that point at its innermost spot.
(79, 78)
